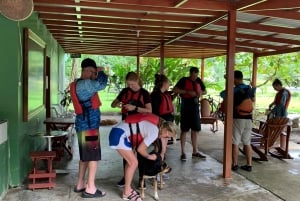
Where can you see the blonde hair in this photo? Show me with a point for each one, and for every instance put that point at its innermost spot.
(170, 126)
(132, 76)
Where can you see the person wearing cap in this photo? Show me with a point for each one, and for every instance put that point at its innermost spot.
(190, 89)
(84, 95)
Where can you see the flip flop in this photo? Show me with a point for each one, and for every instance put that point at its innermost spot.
(97, 194)
(78, 190)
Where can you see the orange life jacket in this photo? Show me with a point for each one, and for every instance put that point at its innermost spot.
(95, 100)
(166, 106)
(191, 86)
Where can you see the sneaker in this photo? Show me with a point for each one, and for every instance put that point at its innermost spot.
(140, 187)
(234, 167)
(121, 183)
(183, 157)
(247, 168)
(198, 155)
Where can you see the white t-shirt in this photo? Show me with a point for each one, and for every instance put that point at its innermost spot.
(119, 134)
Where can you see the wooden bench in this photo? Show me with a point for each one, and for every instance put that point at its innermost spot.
(42, 178)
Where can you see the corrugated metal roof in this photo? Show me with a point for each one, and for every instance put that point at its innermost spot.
(187, 28)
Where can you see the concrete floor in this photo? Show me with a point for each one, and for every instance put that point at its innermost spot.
(193, 180)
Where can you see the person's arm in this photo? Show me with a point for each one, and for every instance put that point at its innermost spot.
(273, 103)
(177, 90)
(147, 106)
(203, 87)
(147, 101)
(117, 102)
(146, 109)
(179, 87)
(150, 134)
(142, 149)
(101, 80)
(284, 98)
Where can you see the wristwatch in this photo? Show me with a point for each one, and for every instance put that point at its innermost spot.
(136, 108)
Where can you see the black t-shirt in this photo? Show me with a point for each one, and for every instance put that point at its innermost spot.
(138, 98)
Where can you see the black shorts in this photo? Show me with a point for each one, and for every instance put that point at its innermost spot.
(89, 145)
(190, 117)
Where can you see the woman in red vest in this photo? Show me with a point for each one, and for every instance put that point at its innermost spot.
(132, 100)
(162, 106)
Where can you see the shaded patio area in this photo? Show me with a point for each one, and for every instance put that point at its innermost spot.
(193, 180)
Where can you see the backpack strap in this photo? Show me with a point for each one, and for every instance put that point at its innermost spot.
(136, 136)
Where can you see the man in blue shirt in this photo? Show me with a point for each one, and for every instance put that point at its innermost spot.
(84, 94)
(242, 123)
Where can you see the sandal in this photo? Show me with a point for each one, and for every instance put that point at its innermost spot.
(133, 196)
(97, 194)
(198, 155)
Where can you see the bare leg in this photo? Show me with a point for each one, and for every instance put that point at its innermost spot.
(130, 168)
(248, 151)
(235, 153)
(283, 142)
(194, 141)
(164, 143)
(182, 141)
(92, 168)
(81, 175)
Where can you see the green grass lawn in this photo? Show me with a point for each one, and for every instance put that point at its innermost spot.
(106, 99)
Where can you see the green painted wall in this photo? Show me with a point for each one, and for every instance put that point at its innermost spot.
(3, 168)
(19, 142)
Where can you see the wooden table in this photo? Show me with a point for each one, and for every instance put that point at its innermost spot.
(59, 123)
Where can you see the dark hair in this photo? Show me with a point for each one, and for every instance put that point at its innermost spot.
(238, 74)
(277, 82)
(194, 69)
(88, 62)
(160, 79)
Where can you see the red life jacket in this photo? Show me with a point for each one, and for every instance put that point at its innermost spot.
(137, 138)
(135, 118)
(166, 106)
(191, 86)
(95, 100)
(129, 97)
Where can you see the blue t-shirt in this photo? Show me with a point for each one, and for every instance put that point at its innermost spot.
(239, 97)
(85, 89)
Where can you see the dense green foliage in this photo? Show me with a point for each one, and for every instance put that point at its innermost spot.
(285, 67)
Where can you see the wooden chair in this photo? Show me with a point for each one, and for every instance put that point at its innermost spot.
(207, 115)
(264, 138)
